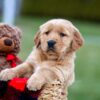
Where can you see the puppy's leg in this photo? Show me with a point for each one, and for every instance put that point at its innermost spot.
(19, 70)
(39, 78)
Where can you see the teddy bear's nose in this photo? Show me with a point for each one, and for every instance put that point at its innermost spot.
(8, 42)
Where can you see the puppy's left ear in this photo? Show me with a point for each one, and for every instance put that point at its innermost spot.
(36, 39)
(77, 41)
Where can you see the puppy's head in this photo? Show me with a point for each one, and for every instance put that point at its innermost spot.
(58, 36)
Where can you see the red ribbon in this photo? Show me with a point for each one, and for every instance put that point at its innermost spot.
(12, 59)
(17, 83)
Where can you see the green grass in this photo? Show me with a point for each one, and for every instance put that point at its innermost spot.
(87, 70)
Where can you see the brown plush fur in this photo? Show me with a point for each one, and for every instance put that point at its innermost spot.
(50, 66)
(13, 34)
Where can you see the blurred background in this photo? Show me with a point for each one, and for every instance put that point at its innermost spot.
(85, 15)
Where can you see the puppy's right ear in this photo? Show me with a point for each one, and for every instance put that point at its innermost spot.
(77, 41)
(37, 39)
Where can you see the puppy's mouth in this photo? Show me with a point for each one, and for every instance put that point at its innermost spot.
(51, 50)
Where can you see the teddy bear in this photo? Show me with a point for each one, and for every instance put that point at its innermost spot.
(9, 46)
(15, 89)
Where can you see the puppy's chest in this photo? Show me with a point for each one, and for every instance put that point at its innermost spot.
(48, 64)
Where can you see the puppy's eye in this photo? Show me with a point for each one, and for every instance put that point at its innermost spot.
(62, 34)
(47, 32)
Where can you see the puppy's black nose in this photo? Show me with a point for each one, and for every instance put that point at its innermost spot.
(8, 42)
(51, 43)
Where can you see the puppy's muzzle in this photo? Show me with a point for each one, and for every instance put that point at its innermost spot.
(51, 44)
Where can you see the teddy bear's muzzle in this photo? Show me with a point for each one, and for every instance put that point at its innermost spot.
(8, 42)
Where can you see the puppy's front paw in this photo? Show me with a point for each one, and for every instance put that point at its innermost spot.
(7, 74)
(35, 84)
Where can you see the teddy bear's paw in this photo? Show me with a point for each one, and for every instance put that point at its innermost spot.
(34, 84)
(7, 74)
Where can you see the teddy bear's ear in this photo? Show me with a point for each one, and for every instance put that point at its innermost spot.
(36, 39)
(18, 32)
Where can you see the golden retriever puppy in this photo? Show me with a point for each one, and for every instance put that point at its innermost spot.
(52, 57)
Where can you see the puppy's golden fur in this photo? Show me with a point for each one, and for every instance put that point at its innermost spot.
(45, 64)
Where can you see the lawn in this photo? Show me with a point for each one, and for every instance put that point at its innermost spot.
(87, 84)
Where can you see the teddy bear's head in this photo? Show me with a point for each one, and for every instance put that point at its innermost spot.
(9, 39)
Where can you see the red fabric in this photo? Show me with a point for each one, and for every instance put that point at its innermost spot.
(12, 59)
(18, 83)
(16, 88)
